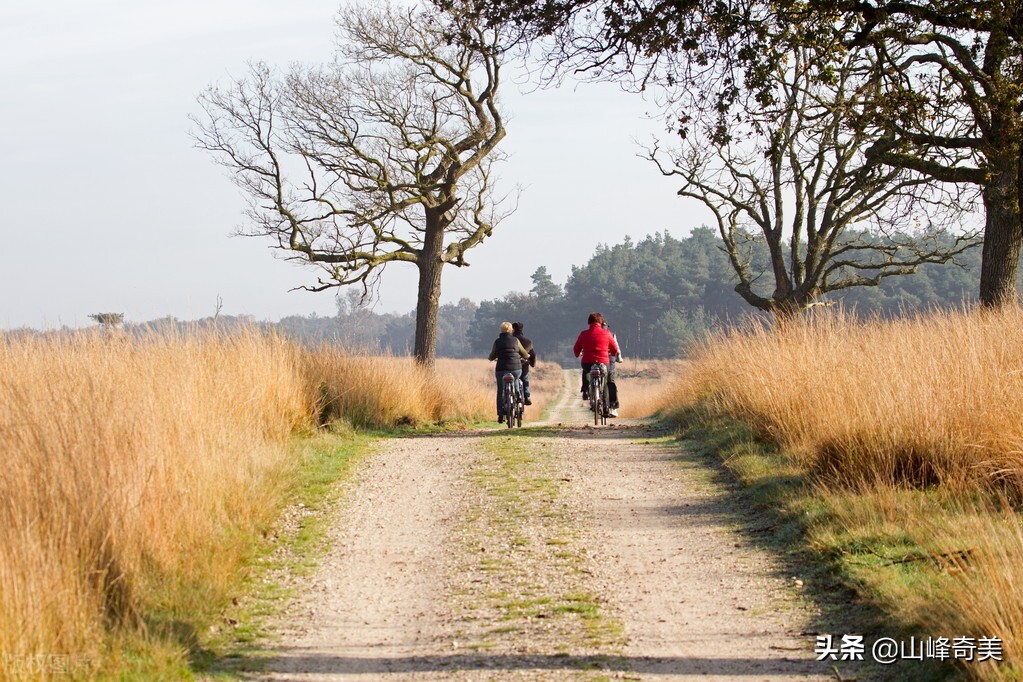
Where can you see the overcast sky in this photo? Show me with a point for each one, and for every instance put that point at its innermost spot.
(107, 205)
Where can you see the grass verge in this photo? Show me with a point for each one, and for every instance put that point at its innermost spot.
(870, 558)
(230, 636)
(908, 433)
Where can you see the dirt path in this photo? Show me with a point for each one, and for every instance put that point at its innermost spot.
(554, 552)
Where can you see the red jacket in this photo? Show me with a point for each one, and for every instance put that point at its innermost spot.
(596, 345)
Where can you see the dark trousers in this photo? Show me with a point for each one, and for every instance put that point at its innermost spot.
(525, 384)
(612, 386)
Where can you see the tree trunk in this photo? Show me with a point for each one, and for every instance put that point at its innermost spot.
(1002, 192)
(782, 281)
(1002, 233)
(428, 303)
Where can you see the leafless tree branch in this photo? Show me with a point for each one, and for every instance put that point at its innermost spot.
(800, 180)
(373, 158)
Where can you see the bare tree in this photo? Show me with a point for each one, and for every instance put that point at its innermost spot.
(795, 177)
(383, 156)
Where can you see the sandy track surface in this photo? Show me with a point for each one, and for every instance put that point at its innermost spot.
(559, 551)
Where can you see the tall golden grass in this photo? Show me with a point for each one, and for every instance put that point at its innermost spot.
(931, 399)
(126, 464)
(134, 469)
(913, 431)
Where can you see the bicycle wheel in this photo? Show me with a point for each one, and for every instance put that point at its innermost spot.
(509, 400)
(520, 406)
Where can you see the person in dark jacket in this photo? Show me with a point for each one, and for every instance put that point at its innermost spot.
(612, 386)
(517, 328)
(509, 354)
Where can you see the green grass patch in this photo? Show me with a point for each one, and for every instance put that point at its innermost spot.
(538, 583)
(860, 556)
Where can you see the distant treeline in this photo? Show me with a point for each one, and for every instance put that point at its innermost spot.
(663, 293)
(660, 294)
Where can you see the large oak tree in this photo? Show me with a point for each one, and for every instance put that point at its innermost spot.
(950, 107)
(383, 156)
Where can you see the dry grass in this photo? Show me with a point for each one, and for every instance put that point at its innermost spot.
(135, 470)
(457, 390)
(928, 400)
(945, 565)
(362, 389)
(126, 464)
(644, 385)
(912, 431)
(980, 593)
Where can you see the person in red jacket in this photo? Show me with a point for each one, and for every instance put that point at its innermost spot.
(596, 345)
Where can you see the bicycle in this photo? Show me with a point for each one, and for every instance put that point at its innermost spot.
(513, 403)
(598, 394)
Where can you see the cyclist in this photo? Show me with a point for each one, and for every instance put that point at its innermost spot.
(612, 387)
(595, 344)
(517, 328)
(509, 354)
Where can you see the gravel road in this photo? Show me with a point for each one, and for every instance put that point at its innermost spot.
(558, 551)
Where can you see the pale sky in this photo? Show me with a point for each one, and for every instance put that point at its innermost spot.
(108, 207)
